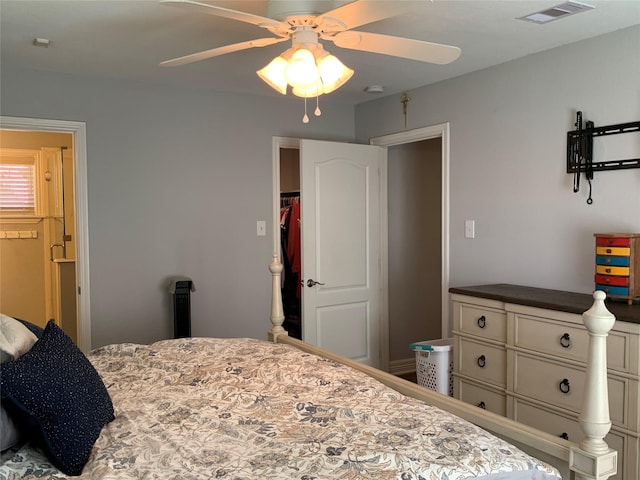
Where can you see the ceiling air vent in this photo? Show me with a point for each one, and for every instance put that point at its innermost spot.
(559, 11)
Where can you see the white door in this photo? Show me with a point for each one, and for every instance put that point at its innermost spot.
(340, 235)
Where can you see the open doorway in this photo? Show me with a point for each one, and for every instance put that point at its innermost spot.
(432, 147)
(37, 228)
(330, 233)
(414, 193)
(66, 258)
(290, 240)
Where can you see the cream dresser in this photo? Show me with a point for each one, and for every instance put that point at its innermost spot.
(521, 352)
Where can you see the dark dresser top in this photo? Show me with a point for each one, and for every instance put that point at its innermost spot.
(550, 299)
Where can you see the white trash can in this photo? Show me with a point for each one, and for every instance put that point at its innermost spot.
(434, 364)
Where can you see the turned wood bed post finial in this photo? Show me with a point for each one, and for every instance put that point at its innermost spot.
(593, 459)
(277, 312)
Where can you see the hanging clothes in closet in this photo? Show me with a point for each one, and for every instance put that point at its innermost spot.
(291, 256)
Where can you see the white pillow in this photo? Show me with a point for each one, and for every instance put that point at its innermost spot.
(15, 341)
(15, 338)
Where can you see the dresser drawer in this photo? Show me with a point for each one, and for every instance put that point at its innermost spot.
(609, 290)
(607, 270)
(613, 241)
(610, 280)
(618, 251)
(482, 362)
(611, 260)
(566, 340)
(563, 386)
(481, 322)
(488, 399)
(567, 426)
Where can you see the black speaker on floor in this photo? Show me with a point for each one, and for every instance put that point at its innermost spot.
(181, 289)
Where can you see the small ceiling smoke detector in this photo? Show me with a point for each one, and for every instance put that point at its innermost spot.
(41, 42)
(374, 89)
(559, 11)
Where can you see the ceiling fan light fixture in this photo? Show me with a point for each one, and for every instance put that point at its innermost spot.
(305, 24)
(309, 69)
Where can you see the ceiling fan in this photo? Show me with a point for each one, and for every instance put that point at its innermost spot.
(306, 66)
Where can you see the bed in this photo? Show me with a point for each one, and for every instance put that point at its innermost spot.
(201, 408)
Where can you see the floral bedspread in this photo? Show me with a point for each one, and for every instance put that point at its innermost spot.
(204, 408)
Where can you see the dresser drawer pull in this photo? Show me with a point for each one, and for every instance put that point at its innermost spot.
(564, 386)
(564, 436)
(482, 406)
(565, 341)
(482, 322)
(482, 361)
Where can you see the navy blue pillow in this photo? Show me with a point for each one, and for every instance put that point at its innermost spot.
(55, 388)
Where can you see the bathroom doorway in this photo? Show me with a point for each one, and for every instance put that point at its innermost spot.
(37, 248)
(44, 257)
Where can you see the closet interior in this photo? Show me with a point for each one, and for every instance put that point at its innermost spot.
(290, 240)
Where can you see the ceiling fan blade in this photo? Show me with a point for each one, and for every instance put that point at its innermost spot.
(396, 46)
(361, 12)
(225, 12)
(214, 52)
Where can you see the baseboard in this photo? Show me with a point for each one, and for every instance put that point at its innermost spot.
(402, 367)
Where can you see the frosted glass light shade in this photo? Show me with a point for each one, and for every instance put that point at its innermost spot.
(333, 73)
(273, 75)
(302, 71)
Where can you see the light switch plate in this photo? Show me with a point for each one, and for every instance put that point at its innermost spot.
(469, 229)
(261, 228)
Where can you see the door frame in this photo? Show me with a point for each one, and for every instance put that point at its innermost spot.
(78, 131)
(410, 136)
(277, 143)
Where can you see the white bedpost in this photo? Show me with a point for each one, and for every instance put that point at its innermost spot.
(277, 312)
(592, 459)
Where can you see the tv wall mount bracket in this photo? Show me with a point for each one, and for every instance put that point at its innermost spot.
(580, 151)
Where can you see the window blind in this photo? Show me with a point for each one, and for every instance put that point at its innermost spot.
(17, 189)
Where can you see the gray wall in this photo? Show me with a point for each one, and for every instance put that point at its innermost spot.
(176, 182)
(508, 159)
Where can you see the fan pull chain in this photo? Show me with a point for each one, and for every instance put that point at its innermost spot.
(317, 111)
(305, 119)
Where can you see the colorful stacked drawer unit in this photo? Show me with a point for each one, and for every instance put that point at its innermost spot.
(618, 265)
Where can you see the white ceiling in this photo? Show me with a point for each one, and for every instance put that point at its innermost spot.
(127, 39)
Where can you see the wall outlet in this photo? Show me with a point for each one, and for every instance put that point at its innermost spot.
(469, 229)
